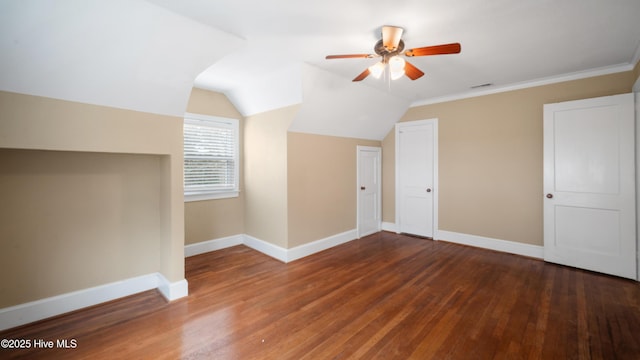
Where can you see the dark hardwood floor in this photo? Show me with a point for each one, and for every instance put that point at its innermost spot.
(385, 296)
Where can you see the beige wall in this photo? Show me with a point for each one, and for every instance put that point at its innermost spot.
(214, 219)
(322, 187)
(389, 177)
(211, 103)
(95, 238)
(490, 156)
(265, 173)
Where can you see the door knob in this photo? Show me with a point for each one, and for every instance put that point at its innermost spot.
(362, 187)
(549, 196)
(428, 190)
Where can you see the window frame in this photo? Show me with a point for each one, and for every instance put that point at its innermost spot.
(214, 122)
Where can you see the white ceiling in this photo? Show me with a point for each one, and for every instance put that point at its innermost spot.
(503, 41)
(146, 55)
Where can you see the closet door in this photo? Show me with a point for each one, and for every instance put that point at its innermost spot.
(416, 177)
(589, 185)
(369, 190)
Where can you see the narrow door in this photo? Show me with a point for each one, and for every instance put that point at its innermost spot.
(589, 185)
(415, 177)
(369, 190)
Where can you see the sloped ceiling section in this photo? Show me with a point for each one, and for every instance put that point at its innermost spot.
(333, 106)
(127, 54)
(278, 87)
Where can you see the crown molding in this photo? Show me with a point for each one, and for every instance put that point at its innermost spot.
(527, 84)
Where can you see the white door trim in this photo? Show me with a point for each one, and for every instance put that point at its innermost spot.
(636, 94)
(636, 90)
(378, 174)
(436, 188)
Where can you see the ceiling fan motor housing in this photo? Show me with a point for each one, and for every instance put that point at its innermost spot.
(381, 50)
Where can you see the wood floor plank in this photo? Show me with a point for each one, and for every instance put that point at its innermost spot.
(385, 296)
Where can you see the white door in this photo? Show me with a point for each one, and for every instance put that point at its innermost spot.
(369, 190)
(416, 180)
(589, 185)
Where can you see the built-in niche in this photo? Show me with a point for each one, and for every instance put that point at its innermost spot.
(74, 220)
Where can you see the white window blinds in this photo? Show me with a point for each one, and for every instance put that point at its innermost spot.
(210, 155)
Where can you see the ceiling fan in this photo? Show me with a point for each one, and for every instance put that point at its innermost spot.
(390, 47)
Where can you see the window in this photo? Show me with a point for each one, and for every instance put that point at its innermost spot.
(210, 157)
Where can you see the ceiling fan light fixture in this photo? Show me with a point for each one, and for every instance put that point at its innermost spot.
(377, 69)
(396, 67)
(390, 47)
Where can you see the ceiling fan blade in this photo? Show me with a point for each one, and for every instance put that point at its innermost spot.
(453, 48)
(362, 75)
(391, 37)
(411, 71)
(349, 56)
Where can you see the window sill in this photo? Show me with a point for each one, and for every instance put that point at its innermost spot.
(211, 196)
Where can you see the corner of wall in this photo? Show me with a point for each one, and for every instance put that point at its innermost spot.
(636, 74)
(265, 169)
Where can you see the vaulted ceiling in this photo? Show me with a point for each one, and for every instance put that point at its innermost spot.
(146, 55)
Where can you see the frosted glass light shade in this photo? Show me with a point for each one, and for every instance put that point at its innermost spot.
(376, 69)
(396, 67)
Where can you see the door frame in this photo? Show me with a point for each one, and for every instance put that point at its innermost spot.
(636, 95)
(436, 187)
(378, 174)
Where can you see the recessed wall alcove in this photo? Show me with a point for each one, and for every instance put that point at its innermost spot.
(74, 220)
(90, 196)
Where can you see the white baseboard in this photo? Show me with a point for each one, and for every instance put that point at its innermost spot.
(213, 245)
(41, 309)
(301, 251)
(391, 227)
(267, 248)
(172, 291)
(511, 247)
